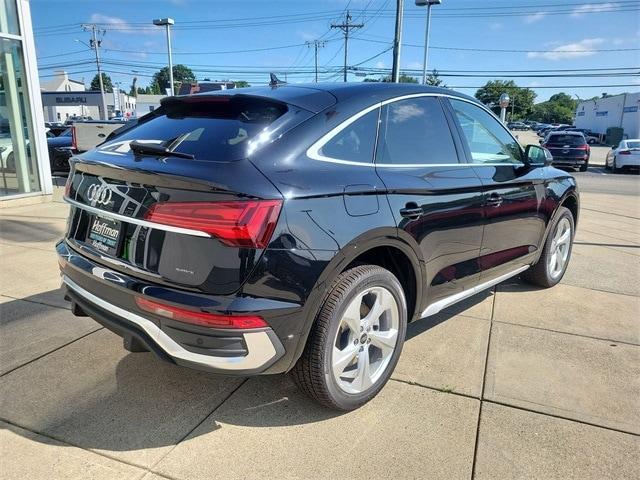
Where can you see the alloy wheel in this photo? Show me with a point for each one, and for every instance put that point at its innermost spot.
(560, 246)
(365, 340)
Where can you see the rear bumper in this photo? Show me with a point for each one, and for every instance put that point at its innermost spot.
(630, 161)
(93, 288)
(568, 161)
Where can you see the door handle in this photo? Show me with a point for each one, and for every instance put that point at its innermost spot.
(411, 213)
(494, 200)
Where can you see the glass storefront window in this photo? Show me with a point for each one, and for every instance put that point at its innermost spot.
(9, 17)
(18, 167)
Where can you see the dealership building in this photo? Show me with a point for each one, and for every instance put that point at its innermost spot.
(615, 111)
(25, 175)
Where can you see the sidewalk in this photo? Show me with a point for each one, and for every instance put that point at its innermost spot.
(514, 383)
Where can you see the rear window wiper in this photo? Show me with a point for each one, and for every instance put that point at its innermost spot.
(140, 148)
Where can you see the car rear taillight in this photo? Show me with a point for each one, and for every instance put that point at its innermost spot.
(203, 319)
(74, 143)
(247, 223)
(624, 152)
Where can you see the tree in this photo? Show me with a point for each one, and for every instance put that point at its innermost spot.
(134, 87)
(522, 98)
(401, 79)
(560, 108)
(242, 84)
(106, 81)
(434, 79)
(181, 74)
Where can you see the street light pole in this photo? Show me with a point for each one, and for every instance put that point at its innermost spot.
(425, 59)
(504, 103)
(167, 22)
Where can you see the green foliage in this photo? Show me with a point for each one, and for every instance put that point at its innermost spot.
(181, 74)
(434, 79)
(522, 98)
(106, 82)
(241, 84)
(402, 79)
(133, 92)
(560, 108)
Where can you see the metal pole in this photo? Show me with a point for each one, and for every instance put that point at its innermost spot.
(346, 49)
(426, 46)
(316, 54)
(96, 48)
(503, 113)
(397, 42)
(171, 85)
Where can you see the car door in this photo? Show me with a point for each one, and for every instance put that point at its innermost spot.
(514, 191)
(436, 200)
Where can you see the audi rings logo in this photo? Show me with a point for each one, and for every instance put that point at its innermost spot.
(100, 194)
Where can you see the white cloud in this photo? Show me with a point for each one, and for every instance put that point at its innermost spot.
(119, 25)
(495, 26)
(571, 50)
(536, 17)
(380, 64)
(596, 7)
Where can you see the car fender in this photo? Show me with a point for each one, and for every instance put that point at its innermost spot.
(378, 237)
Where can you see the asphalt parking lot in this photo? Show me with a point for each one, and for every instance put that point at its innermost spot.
(514, 383)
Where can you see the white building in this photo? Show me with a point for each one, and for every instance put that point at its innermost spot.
(147, 103)
(616, 111)
(60, 112)
(60, 106)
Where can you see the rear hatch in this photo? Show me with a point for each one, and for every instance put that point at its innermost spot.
(567, 147)
(175, 200)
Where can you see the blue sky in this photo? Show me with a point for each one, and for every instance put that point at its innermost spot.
(546, 34)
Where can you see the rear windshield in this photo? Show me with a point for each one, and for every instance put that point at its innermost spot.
(572, 140)
(633, 145)
(212, 128)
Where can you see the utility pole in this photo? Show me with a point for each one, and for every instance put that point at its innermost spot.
(316, 44)
(95, 44)
(397, 42)
(345, 27)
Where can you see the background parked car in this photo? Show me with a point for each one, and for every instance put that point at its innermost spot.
(60, 150)
(625, 155)
(56, 128)
(517, 126)
(569, 149)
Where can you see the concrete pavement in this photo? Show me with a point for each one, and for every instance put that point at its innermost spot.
(514, 383)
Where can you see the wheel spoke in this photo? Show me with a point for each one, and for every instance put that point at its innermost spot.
(564, 237)
(385, 341)
(342, 358)
(351, 315)
(552, 261)
(377, 309)
(362, 381)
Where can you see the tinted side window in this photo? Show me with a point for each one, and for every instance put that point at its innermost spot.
(488, 140)
(355, 142)
(415, 131)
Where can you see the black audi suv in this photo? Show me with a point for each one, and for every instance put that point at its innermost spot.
(299, 228)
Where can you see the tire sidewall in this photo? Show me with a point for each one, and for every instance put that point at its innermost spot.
(379, 278)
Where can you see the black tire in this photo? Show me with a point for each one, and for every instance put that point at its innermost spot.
(614, 168)
(539, 273)
(313, 372)
(583, 168)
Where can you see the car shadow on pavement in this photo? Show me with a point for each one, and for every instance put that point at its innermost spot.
(91, 393)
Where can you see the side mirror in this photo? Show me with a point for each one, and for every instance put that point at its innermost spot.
(541, 141)
(537, 156)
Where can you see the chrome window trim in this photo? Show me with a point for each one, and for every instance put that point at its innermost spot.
(260, 347)
(136, 221)
(313, 151)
